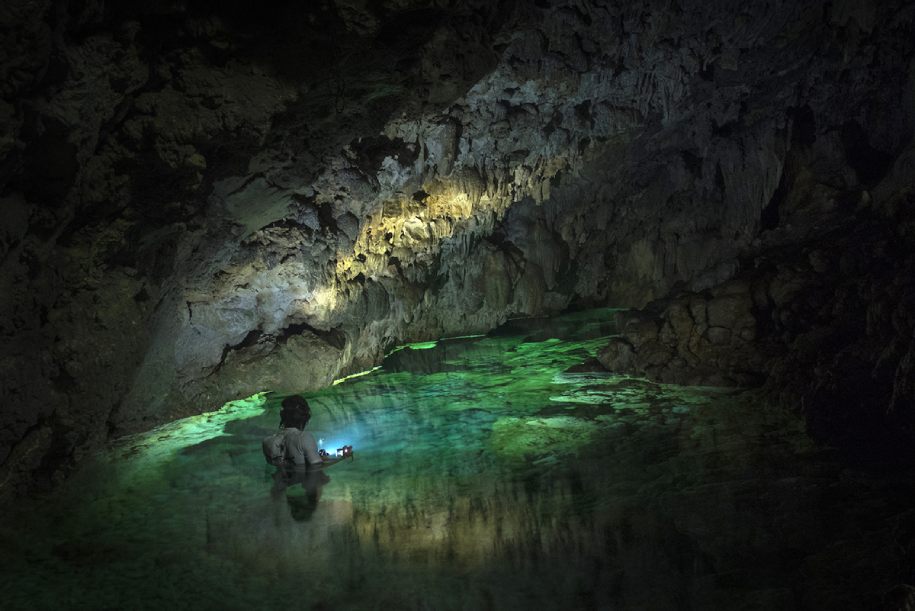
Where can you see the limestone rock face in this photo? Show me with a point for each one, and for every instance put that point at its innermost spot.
(826, 325)
(201, 201)
(699, 338)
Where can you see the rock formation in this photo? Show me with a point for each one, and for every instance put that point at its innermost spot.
(824, 323)
(203, 200)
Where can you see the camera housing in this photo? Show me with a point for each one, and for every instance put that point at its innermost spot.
(345, 452)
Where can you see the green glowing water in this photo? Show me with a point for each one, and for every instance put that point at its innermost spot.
(485, 477)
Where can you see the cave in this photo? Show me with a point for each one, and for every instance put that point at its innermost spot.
(614, 301)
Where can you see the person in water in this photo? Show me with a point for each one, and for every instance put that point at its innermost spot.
(298, 458)
(301, 449)
(293, 446)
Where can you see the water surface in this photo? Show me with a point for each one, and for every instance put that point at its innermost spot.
(486, 476)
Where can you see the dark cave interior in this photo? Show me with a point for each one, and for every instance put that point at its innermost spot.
(205, 200)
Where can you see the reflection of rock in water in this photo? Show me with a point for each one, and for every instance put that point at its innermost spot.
(713, 513)
(503, 482)
(546, 529)
(286, 531)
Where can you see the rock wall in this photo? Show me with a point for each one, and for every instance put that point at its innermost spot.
(206, 200)
(821, 314)
(826, 326)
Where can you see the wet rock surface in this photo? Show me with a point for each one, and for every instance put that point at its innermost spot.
(201, 202)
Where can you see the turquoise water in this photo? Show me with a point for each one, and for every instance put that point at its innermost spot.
(485, 477)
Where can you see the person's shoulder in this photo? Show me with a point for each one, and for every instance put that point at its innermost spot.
(292, 433)
(300, 433)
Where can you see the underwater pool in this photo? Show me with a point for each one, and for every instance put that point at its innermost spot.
(485, 477)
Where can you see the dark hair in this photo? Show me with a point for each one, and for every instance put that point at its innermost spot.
(295, 412)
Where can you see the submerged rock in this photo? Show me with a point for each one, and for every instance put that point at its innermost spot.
(541, 439)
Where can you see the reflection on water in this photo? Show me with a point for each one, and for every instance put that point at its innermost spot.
(485, 476)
